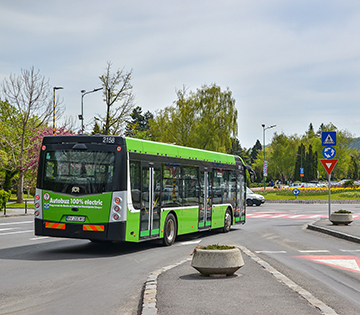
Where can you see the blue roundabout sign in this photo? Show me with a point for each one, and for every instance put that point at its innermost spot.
(329, 152)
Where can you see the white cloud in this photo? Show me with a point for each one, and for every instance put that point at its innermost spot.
(286, 63)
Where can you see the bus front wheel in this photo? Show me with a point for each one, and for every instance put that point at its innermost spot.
(227, 221)
(170, 230)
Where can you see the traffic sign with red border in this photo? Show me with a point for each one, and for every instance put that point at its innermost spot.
(329, 164)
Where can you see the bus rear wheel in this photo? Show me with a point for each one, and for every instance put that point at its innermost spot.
(227, 221)
(170, 230)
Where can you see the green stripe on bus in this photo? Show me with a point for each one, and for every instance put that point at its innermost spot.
(201, 224)
(144, 233)
(208, 223)
(155, 232)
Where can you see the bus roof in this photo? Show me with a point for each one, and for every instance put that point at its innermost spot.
(141, 146)
(170, 150)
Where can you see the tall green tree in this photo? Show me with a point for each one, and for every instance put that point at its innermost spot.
(119, 100)
(205, 119)
(255, 150)
(300, 162)
(237, 149)
(353, 170)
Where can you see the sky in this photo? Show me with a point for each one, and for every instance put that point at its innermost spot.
(287, 63)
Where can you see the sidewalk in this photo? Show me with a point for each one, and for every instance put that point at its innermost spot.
(13, 212)
(181, 290)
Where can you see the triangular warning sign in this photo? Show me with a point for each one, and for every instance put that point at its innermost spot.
(329, 140)
(351, 263)
(329, 164)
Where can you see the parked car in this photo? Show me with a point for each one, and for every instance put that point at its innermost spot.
(253, 199)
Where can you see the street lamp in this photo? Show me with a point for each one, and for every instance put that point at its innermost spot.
(55, 88)
(81, 116)
(265, 128)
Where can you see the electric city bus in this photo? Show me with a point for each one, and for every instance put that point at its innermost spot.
(125, 189)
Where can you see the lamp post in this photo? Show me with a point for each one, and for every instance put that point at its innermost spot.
(55, 88)
(301, 163)
(81, 116)
(265, 128)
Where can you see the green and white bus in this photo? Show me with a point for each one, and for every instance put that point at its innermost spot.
(126, 189)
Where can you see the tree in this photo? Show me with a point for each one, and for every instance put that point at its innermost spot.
(205, 119)
(27, 104)
(255, 151)
(236, 149)
(353, 170)
(33, 151)
(139, 125)
(310, 133)
(300, 162)
(117, 89)
(281, 160)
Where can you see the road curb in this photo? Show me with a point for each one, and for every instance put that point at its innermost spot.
(334, 233)
(150, 289)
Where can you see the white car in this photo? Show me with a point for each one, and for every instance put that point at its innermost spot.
(253, 199)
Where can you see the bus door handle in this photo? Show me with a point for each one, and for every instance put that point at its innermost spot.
(74, 209)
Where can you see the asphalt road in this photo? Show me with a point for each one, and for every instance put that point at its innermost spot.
(63, 276)
(326, 266)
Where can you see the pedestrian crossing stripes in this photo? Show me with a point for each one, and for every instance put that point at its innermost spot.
(10, 228)
(267, 215)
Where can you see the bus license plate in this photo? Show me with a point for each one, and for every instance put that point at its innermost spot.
(75, 218)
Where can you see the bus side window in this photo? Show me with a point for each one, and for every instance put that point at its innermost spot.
(172, 188)
(190, 184)
(135, 183)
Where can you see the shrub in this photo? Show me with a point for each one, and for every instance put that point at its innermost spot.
(348, 183)
(4, 197)
(217, 246)
(342, 211)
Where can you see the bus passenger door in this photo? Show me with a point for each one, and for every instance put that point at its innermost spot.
(150, 201)
(205, 207)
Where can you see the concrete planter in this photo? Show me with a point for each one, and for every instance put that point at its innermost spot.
(341, 218)
(217, 262)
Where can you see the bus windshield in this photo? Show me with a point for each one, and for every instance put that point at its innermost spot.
(79, 172)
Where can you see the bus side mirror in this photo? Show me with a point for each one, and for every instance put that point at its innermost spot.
(251, 172)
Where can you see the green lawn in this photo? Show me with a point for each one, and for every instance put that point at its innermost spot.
(280, 195)
(12, 204)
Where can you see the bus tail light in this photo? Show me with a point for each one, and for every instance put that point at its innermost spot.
(38, 204)
(118, 207)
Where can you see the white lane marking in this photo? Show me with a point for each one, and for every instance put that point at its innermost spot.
(270, 251)
(314, 251)
(349, 250)
(6, 229)
(190, 242)
(15, 223)
(37, 238)
(18, 232)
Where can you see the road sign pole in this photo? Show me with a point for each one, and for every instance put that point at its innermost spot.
(329, 197)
